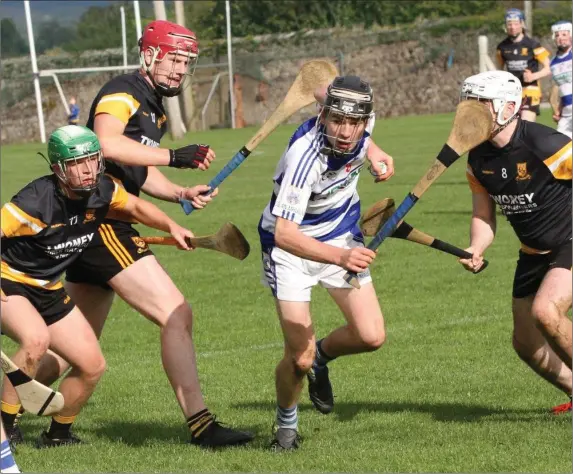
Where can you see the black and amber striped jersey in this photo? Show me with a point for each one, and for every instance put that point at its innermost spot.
(131, 99)
(44, 232)
(521, 55)
(530, 180)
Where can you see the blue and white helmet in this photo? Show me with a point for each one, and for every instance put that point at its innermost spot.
(561, 26)
(514, 14)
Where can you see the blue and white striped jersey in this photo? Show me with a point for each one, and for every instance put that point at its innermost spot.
(315, 190)
(561, 69)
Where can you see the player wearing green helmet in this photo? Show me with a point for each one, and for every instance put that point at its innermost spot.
(74, 154)
(44, 229)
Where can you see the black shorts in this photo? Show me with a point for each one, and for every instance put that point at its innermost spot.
(114, 247)
(531, 269)
(531, 100)
(52, 305)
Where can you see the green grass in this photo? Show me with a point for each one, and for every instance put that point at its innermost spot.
(446, 393)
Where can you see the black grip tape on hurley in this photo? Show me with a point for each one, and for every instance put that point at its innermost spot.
(447, 155)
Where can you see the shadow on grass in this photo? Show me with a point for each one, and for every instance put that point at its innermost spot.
(446, 412)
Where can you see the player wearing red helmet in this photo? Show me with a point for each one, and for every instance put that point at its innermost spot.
(129, 119)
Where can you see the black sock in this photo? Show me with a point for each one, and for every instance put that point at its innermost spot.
(199, 421)
(321, 358)
(60, 426)
(9, 414)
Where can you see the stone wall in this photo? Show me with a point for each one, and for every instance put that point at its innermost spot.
(409, 74)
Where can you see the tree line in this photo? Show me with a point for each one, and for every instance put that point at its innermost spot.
(99, 27)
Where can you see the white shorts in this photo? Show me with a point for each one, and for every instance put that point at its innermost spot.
(565, 125)
(291, 278)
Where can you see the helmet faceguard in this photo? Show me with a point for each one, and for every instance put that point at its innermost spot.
(168, 54)
(499, 87)
(562, 41)
(345, 114)
(514, 15)
(75, 157)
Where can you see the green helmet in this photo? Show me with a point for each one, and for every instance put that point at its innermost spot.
(71, 144)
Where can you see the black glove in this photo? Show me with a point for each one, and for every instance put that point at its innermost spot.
(190, 156)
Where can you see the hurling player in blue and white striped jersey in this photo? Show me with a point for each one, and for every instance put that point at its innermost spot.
(309, 235)
(561, 67)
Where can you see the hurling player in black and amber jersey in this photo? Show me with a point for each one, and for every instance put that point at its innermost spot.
(526, 59)
(525, 168)
(45, 228)
(129, 119)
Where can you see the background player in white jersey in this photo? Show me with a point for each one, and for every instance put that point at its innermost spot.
(561, 67)
(309, 235)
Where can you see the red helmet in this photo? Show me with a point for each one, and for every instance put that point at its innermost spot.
(168, 38)
(164, 37)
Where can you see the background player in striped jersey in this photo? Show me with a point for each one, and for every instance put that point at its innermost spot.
(525, 168)
(525, 58)
(561, 67)
(309, 235)
(45, 228)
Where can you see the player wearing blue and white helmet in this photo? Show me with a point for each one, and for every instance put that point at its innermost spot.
(526, 59)
(561, 98)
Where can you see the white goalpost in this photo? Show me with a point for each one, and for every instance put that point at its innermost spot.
(53, 73)
(485, 62)
(160, 14)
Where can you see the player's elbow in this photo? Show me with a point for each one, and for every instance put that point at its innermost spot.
(283, 239)
(286, 234)
(110, 146)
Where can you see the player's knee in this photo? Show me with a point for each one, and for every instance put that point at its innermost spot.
(94, 371)
(373, 340)
(302, 361)
(178, 319)
(545, 314)
(35, 347)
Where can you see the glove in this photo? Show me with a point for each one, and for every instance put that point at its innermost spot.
(190, 156)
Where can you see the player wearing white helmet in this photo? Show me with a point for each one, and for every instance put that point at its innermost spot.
(525, 58)
(310, 236)
(561, 67)
(525, 168)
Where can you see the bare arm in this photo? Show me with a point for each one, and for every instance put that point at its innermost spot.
(118, 147)
(554, 100)
(160, 187)
(483, 224)
(151, 216)
(288, 237)
(544, 71)
(482, 230)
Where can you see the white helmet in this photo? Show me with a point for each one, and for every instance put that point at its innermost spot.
(561, 26)
(500, 87)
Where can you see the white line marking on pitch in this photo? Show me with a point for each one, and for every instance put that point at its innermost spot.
(462, 321)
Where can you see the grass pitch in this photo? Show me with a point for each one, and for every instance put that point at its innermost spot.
(446, 393)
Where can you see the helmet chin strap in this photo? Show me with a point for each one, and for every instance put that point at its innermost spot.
(501, 127)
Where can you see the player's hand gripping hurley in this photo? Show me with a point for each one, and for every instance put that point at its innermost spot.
(378, 214)
(472, 126)
(228, 240)
(312, 75)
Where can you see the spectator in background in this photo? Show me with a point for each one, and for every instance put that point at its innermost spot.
(526, 59)
(74, 116)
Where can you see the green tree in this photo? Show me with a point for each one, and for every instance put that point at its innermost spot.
(51, 34)
(11, 42)
(100, 28)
